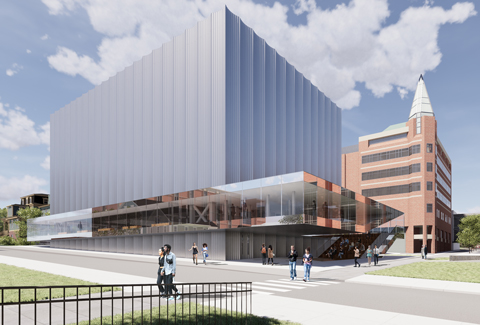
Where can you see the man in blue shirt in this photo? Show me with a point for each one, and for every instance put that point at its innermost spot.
(169, 270)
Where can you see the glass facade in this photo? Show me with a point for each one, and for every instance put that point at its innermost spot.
(245, 204)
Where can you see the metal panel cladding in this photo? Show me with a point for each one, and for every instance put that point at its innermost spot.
(215, 105)
(155, 128)
(277, 121)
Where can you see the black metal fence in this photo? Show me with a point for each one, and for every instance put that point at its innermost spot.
(187, 303)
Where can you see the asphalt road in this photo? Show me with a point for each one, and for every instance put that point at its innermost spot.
(428, 303)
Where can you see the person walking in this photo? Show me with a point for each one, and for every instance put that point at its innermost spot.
(205, 253)
(307, 264)
(369, 255)
(169, 271)
(195, 253)
(357, 255)
(292, 263)
(264, 254)
(161, 261)
(425, 248)
(422, 251)
(376, 252)
(270, 254)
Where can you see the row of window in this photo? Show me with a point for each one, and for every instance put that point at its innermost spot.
(392, 172)
(444, 169)
(391, 190)
(442, 197)
(444, 184)
(393, 154)
(444, 217)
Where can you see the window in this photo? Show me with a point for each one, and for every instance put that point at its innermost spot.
(385, 139)
(438, 213)
(429, 186)
(392, 172)
(429, 147)
(419, 124)
(429, 167)
(429, 207)
(391, 190)
(399, 153)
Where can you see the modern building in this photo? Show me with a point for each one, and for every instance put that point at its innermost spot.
(37, 200)
(407, 167)
(214, 137)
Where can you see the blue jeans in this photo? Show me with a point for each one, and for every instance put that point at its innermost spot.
(306, 271)
(293, 269)
(204, 257)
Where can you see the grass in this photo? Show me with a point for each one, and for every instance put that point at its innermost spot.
(191, 314)
(446, 271)
(13, 276)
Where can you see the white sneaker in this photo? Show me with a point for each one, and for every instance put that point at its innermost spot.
(295, 278)
(291, 279)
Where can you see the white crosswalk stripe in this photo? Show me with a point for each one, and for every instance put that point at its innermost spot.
(285, 285)
(276, 285)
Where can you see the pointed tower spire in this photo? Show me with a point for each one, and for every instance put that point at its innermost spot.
(421, 105)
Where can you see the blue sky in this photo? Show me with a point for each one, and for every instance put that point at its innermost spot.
(365, 54)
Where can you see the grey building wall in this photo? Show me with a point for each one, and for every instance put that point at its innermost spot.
(213, 106)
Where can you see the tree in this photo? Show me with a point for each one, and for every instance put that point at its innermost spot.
(3, 215)
(292, 219)
(23, 216)
(469, 235)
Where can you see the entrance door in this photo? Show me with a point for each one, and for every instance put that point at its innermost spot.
(245, 246)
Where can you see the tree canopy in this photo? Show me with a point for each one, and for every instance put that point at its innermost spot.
(469, 235)
(23, 216)
(3, 215)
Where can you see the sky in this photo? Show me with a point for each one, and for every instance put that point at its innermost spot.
(366, 55)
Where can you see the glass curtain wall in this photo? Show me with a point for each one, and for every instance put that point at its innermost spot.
(290, 198)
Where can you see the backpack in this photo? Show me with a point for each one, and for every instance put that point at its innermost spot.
(264, 251)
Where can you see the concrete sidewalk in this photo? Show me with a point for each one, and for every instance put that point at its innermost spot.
(423, 284)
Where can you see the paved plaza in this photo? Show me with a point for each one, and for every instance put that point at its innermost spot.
(338, 292)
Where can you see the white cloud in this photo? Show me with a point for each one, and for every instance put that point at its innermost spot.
(337, 48)
(28, 51)
(44, 37)
(15, 68)
(46, 163)
(474, 209)
(13, 188)
(18, 130)
(402, 92)
(302, 6)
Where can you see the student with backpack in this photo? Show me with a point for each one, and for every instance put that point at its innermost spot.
(264, 254)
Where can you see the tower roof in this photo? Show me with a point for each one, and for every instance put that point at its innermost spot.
(421, 105)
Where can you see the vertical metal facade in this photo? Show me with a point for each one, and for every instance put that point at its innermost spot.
(277, 122)
(216, 105)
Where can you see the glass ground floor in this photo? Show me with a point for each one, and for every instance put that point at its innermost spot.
(300, 198)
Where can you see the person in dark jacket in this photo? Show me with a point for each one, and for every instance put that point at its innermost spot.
(161, 261)
(292, 263)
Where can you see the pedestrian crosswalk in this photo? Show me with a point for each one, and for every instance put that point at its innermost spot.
(270, 287)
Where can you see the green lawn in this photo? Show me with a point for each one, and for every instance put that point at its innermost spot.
(192, 314)
(447, 271)
(12, 276)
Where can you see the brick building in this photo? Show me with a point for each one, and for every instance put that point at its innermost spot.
(406, 167)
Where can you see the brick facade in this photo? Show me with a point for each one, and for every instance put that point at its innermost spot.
(430, 229)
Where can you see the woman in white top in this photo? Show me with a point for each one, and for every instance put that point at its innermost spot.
(205, 253)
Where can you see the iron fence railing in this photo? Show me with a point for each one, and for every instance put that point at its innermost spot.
(181, 303)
